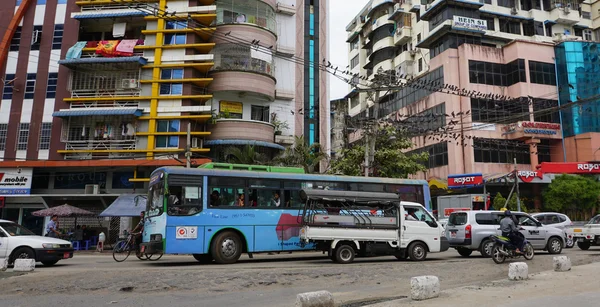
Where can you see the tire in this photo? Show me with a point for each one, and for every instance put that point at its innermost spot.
(344, 254)
(400, 255)
(528, 253)
(203, 258)
(497, 255)
(417, 251)
(465, 252)
(121, 251)
(153, 257)
(584, 245)
(486, 248)
(49, 263)
(569, 242)
(226, 248)
(22, 253)
(555, 245)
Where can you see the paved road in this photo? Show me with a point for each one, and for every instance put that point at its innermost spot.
(267, 280)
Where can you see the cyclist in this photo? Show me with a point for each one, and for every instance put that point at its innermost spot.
(137, 233)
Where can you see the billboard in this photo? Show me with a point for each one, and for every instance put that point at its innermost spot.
(15, 181)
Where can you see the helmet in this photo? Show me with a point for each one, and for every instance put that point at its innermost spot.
(507, 213)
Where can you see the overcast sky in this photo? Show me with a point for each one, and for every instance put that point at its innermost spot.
(341, 13)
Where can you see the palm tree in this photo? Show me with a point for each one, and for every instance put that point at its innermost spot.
(301, 155)
(244, 155)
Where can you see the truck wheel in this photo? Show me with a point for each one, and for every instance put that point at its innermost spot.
(486, 248)
(554, 246)
(584, 245)
(226, 248)
(344, 254)
(417, 251)
(465, 252)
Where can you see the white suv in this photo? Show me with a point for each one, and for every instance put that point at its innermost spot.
(17, 241)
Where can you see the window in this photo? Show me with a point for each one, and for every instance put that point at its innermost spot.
(265, 193)
(3, 133)
(548, 29)
(171, 88)
(542, 73)
(58, 36)
(167, 141)
(438, 154)
(515, 72)
(8, 86)
(291, 194)
(184, 200)
(487, 219)
(155, 199)
(491, 26)
(500, 151)
(175, 39)
(497, 74)
(426, 121)
(260, 113)
(419, 214)
(45, 132)
(420, 65)
(30, 86)
(538, 28)
(525, 220)
(506, 3)
(418, 37)
(586, 15)
(508, 26)
(354, 44)
(16, 40)
(23, 136)
(36, 38)
(457, 219)
(587, 35)
(354, 62)
(51, 85)
(494, 111)
(528, 29)
(227, 192)
(176, 25)
(250, 12)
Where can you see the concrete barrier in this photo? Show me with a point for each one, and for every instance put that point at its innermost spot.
(424, 287)
(518, 271)
(3, 264)
(315, 299)
(562, 263)
(24, 265)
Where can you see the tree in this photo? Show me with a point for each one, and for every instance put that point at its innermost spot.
(390, 160)
(244, 155)
(301, 155)
(577, 194)
(500, 201)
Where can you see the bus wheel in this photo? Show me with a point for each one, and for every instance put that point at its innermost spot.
(226, 248)
(203, 258)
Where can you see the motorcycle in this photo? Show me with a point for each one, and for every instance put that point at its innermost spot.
(503, 249)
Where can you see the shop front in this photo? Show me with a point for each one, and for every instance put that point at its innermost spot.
(17, 204)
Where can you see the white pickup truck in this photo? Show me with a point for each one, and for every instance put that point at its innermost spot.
(348, 224)
(588, 235)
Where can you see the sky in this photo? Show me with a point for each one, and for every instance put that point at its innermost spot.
(341, 13)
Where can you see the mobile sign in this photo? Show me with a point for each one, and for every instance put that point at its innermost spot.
(15, 181)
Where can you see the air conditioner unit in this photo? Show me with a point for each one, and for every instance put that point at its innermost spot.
(92, 189)
(514, 11)
(129, 83)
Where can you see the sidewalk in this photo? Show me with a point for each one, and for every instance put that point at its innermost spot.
(578, 287)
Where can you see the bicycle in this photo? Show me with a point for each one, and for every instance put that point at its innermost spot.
(123, 248)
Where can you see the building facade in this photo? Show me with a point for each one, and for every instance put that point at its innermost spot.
(491, 78)
(97, 94)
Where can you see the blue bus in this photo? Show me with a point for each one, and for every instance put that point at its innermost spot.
(217, 214)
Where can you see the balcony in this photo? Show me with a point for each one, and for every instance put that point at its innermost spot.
(254, 13)
(239, 129)
(286, 9)
(108, 80)
(403, 35)
(225, 32)
(564, 15)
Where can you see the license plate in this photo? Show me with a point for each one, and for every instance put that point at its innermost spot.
(576, 230)
(66, 256)
(453, 235)
(143, 248)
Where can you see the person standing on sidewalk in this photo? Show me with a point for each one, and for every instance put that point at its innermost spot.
(51, 228)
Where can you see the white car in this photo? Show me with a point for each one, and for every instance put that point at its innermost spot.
(557, 220)
(17, 242)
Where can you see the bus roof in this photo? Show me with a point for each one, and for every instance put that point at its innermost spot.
(249, 167)
(294, 176)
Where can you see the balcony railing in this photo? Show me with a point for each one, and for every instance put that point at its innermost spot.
(106, 83)
(245, 64)
(105, 104)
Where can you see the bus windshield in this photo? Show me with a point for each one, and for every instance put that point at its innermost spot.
(155, 203)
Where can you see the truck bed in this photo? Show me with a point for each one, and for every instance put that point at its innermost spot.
(317, 233)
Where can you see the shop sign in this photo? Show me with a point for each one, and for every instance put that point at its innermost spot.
(15, 181)
(460, 22)
(571, 168)
(510, 128)
(528, 176)
(464, 180)
(230, 107)
(540, 128)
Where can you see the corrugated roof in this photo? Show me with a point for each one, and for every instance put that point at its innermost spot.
(108, 14)
(98, 112)
(101, 60)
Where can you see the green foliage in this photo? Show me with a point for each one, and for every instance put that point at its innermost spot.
(572, 192)
(499, 202)
(245, 155)
(301, 155)
(389, 159)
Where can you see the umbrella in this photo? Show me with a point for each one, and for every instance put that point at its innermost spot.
(63, 211)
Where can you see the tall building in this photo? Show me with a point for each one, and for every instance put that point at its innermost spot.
(501, 56)
(98, 93)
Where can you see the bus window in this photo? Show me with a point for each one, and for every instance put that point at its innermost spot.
(184, 200)
(366, 187)
(227, 192)
(264, 193)
(325, 185)
(155, 200)
(291, 194)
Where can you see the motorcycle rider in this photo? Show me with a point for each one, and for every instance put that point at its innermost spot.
(509, 230)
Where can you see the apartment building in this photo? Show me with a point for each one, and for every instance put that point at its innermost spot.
(526, 56)
(98, 93)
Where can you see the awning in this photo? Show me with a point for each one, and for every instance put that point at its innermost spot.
(580, 27)
(126, 205)
(98, 112)
(243, 142)
(552, 22)
(102, 60)
(109, 14)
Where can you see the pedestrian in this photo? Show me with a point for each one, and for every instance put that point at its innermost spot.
(52, 227)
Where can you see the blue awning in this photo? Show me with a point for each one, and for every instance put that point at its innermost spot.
(107, 14)
(102, 60)
(581, 27)
(244, 142)
(552, 22)
(126, 205)
(98, 112)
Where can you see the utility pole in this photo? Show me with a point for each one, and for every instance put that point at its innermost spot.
(188, 150)
(517, 185)
(370, 139)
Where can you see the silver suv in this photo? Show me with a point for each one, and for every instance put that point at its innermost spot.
(470, 230)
